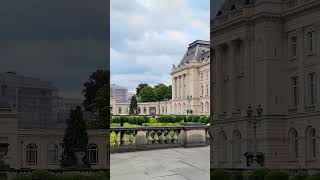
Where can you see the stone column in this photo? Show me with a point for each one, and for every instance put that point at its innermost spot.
(173, 88)
(232, 78)
(178, 87)
(300, 37)
(219, 80)
(247, 76)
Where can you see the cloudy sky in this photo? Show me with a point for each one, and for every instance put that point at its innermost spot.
(148, 36)
(61, 41)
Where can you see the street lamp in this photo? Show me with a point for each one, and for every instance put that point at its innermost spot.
(253, 120)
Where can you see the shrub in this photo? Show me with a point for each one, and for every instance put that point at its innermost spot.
(258, 174)
(42, 174)
(300, 176)
(220, 174)
(189, 118)
(153, 120)
(22, 177)
(236, 176)
(313, 177)
(195, 118)
(276, 175)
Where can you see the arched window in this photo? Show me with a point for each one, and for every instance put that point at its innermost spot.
(237, 146)
(222, 147)
(179, 109)
(52, 154)
(184, 110)
(31, 154)
(311, 143)
(293, 145)
(93, 154)
(120, 110)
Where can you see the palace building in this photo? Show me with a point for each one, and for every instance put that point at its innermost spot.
(190, 86)
(266, 52)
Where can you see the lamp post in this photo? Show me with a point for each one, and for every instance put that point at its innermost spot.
(189, 98)
(253, 120)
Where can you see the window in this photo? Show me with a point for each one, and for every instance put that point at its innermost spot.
(207, 107)
(201, 76)
(222, 147)
(293, 145)
(201, 106)
(237, 146)
(295, 91)
(202, 91)
(314, 143)
(120, 110)
(293, 46)
(207, 94)
(311, 41)
(311, 144)
(31, 154)
(312, 88)
(93, 154)
(52, 154)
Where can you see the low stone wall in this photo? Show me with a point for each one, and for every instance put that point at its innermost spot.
(149, 138)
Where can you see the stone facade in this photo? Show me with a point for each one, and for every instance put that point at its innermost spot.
(266, 53)
(41, 148)
(190, 78)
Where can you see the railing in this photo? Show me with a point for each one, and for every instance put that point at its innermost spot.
(147, 138)
(6, 110)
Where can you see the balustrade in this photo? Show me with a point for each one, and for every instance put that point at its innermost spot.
(144, 138)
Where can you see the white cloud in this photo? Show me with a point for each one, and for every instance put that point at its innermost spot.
(148, 36)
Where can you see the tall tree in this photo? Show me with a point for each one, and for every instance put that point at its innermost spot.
(100, 105)
(133, 105)
(147, 94)
(96, 81)
(75, 138)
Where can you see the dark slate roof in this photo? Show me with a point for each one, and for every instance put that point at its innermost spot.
(197, 51)
(230, 5)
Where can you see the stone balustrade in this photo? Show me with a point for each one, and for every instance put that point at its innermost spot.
(148, 138)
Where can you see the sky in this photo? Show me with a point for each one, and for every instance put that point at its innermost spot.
(58, 41)
(149, 36)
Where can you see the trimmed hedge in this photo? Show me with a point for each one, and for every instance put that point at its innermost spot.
(313, 177)
(276, 175)
(258, 174)
(220, 174)
(300, 176)
(45, 175)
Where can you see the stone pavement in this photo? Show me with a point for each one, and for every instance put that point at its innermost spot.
(164, 164)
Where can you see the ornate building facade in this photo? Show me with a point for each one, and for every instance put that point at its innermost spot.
(266, 52)
(190, 86)
(42, 148)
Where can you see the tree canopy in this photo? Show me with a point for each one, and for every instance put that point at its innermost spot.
(133, 105)
(160, 92)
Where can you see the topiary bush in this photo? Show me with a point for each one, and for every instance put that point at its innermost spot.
(300, 176)
(153, 120)
(313, 177)
(276, 175)
(189, 118)
(220, 174)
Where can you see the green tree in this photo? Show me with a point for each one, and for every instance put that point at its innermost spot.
(75, 138)
(147, 94)
(96, 81)
(140, 87)
(162, 92)
(100, 105)
(133, 105)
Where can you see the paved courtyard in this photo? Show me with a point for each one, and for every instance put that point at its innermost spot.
(165, 164)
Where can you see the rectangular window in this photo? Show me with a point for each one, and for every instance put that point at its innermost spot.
(202, 92)
(207, 90)
(295, 91)
(311, 41)
(293, 46)
(312, 88)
